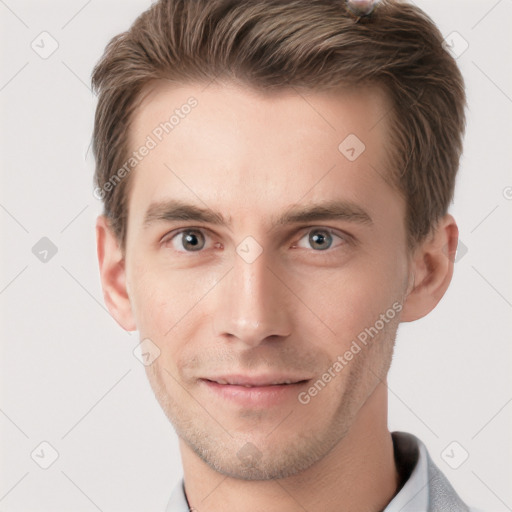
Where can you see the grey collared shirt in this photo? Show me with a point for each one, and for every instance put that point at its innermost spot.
(426, 489)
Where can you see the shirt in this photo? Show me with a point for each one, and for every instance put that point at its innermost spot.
(426, 489)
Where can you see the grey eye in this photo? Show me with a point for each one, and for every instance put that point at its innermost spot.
(320, 239)
(190, 240)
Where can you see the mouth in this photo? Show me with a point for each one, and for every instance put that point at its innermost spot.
(255, 392)
(256, 381)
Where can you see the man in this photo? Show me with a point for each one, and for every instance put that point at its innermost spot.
(276, 178)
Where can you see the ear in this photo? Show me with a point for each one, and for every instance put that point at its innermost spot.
(431, 270)
(113, 275)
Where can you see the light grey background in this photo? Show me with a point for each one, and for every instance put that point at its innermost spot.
(68, 373)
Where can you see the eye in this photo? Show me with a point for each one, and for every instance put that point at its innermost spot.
(187, 240)
(320, 239)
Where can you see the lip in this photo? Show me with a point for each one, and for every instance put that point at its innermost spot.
(271, 379)
(255, 392)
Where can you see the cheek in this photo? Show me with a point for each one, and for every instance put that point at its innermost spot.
(165, 299)
(150, 299)
(351, 299)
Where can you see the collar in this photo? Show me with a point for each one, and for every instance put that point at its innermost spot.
(411, 462)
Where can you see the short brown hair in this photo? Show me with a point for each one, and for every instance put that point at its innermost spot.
(312, 44)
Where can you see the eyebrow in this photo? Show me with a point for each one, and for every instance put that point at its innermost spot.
(176, 210)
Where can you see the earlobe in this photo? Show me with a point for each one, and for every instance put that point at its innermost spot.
(113, 275)
(432, 270)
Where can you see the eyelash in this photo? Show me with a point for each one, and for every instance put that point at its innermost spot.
(344, 237)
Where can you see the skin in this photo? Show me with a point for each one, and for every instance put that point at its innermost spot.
(294, 309)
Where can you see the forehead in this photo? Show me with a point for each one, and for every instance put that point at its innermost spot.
(240, 150)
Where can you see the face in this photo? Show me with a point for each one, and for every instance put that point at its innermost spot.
(260, 253)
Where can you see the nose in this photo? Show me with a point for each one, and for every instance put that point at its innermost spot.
(252, 304)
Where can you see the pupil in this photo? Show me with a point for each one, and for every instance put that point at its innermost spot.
(318, 240)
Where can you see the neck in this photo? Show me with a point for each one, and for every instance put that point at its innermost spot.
(359, 473)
